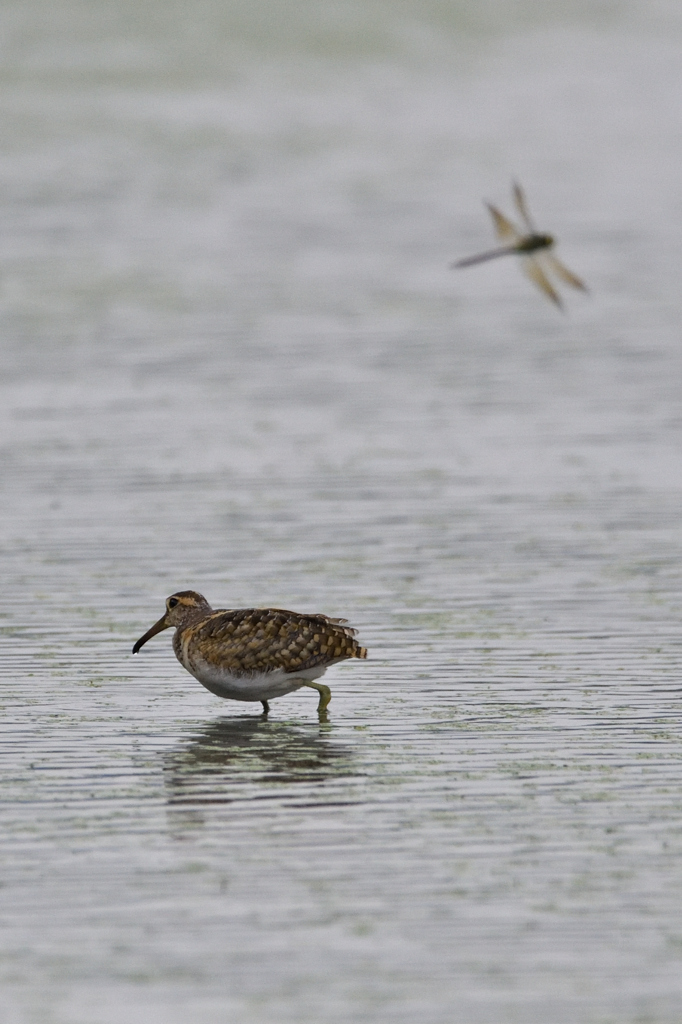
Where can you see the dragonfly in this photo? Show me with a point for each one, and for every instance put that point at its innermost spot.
(538, 260)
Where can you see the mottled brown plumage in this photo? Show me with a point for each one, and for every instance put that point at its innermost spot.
(254, 654)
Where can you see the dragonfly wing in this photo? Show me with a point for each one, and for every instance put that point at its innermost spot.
(504, 229)
(533, 269)
(522, 207)
(564, 273)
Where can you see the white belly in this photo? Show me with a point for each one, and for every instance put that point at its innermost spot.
(265, 686)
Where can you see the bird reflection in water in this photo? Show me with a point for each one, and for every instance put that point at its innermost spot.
(238, 760)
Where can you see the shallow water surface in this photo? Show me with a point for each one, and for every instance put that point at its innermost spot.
(234, 359)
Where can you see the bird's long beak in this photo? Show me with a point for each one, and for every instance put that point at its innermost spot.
(156, 628)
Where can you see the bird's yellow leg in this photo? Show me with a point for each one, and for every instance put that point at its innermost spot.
(325, 695)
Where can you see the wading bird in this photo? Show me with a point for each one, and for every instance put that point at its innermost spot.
(254, 654)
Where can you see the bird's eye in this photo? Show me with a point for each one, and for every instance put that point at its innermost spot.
(172, 601)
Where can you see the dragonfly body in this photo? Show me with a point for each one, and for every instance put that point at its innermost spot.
(539, 262)
(526, 245)
(531, 243)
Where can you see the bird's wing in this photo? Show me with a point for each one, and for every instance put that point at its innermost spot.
(504, 229)
(252, 640)
(564, 273)
(532, 268)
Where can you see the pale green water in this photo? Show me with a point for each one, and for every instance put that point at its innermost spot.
(234, 359)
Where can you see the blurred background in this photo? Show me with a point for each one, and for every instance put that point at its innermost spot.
(234, 358)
